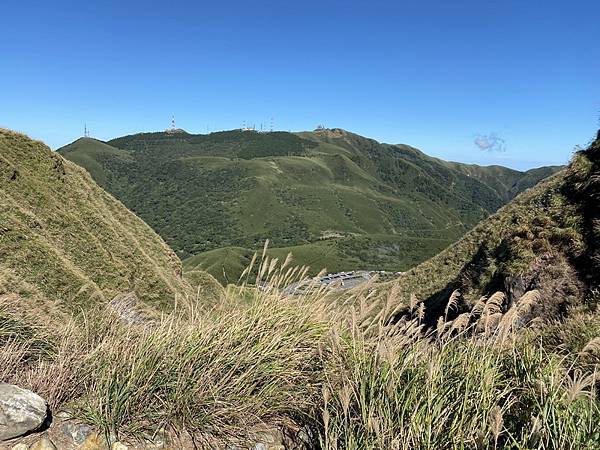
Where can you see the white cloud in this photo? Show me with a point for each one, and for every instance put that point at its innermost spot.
(490, 142)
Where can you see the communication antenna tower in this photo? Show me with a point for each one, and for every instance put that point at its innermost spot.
(272, 124)
(173, 122)
(86, 132)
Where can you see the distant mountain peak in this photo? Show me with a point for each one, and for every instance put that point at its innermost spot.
(331, 132)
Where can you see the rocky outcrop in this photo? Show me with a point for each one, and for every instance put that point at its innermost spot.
(21, 411)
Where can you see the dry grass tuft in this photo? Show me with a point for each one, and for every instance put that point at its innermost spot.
(262, 356)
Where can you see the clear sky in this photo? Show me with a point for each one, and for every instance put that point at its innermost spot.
(509, 82)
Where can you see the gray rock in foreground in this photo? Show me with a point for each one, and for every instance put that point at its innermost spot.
(21, 411)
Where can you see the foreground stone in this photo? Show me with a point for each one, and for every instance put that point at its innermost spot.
(94, 442)
(20, 447)
(43, 444)
(67, 434)
(77, 432)
(21, 411)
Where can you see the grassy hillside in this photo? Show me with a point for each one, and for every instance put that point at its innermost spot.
(263, 365)
(366, 252)
(262, 368)
(328, 192)
(545, 240)
(507, 183)
(65, 240)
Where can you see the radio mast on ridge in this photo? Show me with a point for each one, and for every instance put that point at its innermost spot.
(173, 129)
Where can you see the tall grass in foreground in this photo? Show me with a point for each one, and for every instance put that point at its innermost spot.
(215, 376)
(261, 356)
(456, 393)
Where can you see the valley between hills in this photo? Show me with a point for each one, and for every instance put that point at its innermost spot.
(107, 341)
(334, 199)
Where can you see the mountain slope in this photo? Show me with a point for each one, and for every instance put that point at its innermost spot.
(546, 240)
(340, 196)
(65, 240)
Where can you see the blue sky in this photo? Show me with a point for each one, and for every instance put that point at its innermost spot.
(519, 78)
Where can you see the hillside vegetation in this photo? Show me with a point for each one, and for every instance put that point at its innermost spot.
(544, 240)
(329, 195)
(65, 240)
(394, 366)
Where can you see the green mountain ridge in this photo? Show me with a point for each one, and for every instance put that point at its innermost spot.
(337, 199)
